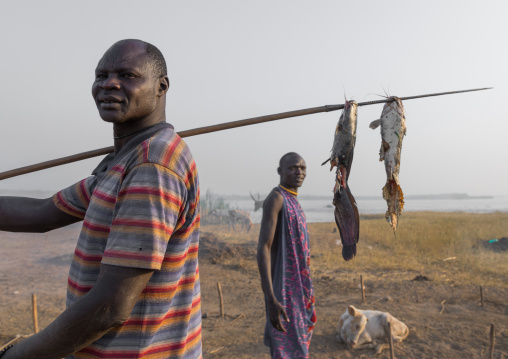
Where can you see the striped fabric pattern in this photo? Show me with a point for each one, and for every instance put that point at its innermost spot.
(143, 213)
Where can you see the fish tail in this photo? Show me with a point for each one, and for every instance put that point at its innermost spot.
(349, 252)
(394, 197)
(347, 219)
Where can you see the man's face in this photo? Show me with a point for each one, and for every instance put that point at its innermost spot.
(292, 171)
(125, 88)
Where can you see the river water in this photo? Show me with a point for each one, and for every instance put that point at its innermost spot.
(321, 210)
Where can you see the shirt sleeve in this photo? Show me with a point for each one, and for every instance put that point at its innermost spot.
(150, 205)
(74, 200)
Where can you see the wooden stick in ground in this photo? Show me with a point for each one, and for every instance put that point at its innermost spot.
(481, 295)
(209, 129)
(390, 340)
(216, 350)
(442, 306)
(363, 289)
(34, 313)
(221, 301)
(492, 341)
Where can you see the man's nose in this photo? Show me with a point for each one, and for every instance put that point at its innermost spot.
(111, 82)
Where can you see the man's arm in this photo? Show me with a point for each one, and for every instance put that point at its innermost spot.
(20, 214)
(108, 304)
(271, 210)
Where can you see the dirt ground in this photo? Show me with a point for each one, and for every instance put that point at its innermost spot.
(445, 320)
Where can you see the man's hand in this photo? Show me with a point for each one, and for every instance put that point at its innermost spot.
(108, 304)
(275, 311)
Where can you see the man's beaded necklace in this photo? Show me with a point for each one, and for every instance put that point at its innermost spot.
(292, 192)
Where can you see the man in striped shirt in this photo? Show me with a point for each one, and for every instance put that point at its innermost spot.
(133, 288)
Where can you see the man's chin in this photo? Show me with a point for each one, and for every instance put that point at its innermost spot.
(111, 118)
(297, 184)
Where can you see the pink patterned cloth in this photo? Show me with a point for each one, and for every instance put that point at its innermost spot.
(292, 284)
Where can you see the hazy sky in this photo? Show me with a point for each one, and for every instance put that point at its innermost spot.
(229, 60)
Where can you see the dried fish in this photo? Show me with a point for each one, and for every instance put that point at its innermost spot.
(393, 130)
(346, 213)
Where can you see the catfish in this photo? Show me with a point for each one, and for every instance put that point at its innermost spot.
(346, 213)
(393, 130)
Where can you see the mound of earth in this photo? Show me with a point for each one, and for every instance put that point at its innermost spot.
(217, 250)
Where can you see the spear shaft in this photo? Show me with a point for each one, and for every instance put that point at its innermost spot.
(212, 128)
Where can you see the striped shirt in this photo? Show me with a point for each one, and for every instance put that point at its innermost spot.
(140, 209)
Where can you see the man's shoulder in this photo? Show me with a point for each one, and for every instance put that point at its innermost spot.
(274, 193)
(273, 200)
(166, 148)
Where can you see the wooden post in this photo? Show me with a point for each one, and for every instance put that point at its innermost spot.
(390, 340)
(34, 313)
(221, 301)
(481, 295)
(492, 341)
(363, 289)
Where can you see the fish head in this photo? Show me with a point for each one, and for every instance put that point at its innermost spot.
(350, 110)
(345, 135)
(350, 113)
(394, 104)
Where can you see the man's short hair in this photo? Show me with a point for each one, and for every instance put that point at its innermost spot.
(286, 156)
(158, 62)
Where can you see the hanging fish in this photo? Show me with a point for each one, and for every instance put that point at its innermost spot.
(393, 130)
(346, 211)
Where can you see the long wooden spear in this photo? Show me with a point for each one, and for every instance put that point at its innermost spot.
(213, 128)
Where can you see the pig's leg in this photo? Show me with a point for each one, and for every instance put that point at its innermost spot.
(364, 342)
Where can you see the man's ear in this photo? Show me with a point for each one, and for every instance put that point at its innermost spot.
(163, 85)
(278, 170)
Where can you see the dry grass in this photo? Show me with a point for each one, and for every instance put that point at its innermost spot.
(424, 241)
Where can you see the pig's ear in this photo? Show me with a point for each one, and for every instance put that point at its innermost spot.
(351, 310)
